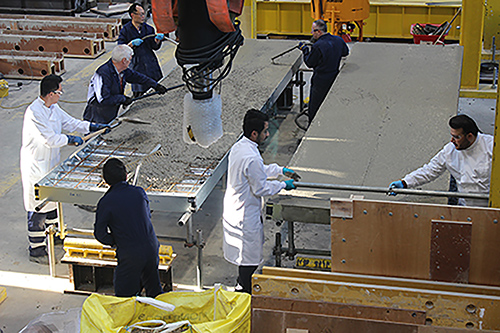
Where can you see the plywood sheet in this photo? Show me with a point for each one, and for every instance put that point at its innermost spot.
(386, 115)
(394, 239)
(273, 321)
(450, 251)
(339, 309)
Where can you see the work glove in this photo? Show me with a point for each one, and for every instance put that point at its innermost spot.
(289, 185)
(74, 140)
(136, 42)
(160, 89)
(94, 127)
(160, 36)
(127, 101)
(302, 46)
(291, 174)
(396, 184)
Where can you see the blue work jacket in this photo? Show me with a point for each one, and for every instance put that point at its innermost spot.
(324, 58)
(106, 92)
(144, 60)
(124, 209)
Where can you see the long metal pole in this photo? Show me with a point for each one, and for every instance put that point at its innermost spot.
(387, 190)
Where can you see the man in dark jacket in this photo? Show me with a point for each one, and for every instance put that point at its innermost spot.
(324, 58)
(144, 40)
(108, 84)
(123, 219)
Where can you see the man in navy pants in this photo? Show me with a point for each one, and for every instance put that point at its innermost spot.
(324, 58)
(123, 219)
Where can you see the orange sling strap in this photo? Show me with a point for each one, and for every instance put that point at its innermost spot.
(163, 15)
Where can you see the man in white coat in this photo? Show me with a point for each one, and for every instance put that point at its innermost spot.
(467, 157)
(247, 184)
(43, 123)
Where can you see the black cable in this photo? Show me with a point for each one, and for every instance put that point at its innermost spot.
(210, 57)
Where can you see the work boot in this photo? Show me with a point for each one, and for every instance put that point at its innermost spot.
(43, 260)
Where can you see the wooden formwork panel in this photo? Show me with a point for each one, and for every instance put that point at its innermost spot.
(113, 26)
(443, 308)
(81, 47)
(338, 309)
(19, 64)
(93, 35)
(394, 239)
(274, 321)
(60, 26)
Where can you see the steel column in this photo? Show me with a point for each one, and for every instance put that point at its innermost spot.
(471, 39)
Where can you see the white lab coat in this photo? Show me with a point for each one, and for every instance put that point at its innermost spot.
(470, 167)
(41, 141)
(247, 184)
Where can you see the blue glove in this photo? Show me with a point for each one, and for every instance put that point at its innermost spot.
(289, 185)
(96, 127)
(160, 36)
(291, 174)
(396, 184)
(74, 140)
(136, 42)
(302, 45)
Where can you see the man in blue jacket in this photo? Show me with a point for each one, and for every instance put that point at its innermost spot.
(144, 40)
(324, 58)
(107, 86)
(123, 219)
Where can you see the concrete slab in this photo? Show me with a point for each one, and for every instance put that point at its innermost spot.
(385, 116)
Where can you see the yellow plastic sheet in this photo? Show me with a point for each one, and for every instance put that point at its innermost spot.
(214, 310)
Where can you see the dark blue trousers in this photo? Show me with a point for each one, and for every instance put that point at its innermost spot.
(37, 222)
(136, 271)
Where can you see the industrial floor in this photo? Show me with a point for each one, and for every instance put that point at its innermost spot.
(30, 290)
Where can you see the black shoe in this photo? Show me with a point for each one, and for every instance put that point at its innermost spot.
(88, 208)
(43, 260)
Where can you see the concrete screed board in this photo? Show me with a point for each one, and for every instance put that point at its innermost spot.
(386, 115)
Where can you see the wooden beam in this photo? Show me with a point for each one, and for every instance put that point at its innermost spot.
(456, 310)
(71, 46)
(29, 64)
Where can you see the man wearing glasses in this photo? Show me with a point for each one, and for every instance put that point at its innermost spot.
(324, 58)
(467, 157)
(144, 40)
(42, 138)
(107, 86)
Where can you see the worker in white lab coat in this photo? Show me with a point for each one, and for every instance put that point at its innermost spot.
(467, 157)
(43, 123)
(247, 184)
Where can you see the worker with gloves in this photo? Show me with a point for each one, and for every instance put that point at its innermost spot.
(123, 220)
(42, 138)
(247, 184)
(141, 37)
(107, 86)
(467, 157)
(324, 58)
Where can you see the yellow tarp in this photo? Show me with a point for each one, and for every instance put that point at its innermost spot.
(214, 310)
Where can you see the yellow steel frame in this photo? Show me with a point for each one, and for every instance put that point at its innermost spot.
(386, 20)
(495, 167)
(471, 39)
(492, 24)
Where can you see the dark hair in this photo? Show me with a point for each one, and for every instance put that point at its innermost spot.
(49, 84)
(133, 8)
(321, 25)
(254, 121)
(114, 171)
(466, 123)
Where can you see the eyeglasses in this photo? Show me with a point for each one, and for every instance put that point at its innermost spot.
(456, 137)
(315, 30)
(140, 14)
(59, 92)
